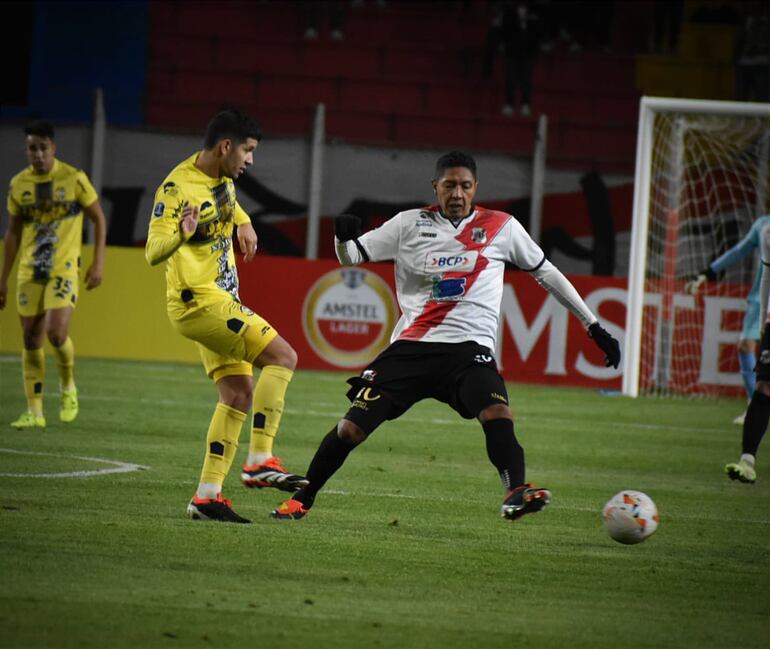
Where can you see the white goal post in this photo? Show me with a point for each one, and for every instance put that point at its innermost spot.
(701, 179)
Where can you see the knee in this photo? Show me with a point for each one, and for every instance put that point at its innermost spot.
(239, 400)
(237, 397)
(746, 346)
(32, 340)
(57, 338)
(496, 411)
(288, 358)
(349, 432)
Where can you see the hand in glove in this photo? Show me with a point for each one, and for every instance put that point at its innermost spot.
(606, 343)
(347, 227)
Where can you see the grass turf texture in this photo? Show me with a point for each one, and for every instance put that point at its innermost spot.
(405, 547)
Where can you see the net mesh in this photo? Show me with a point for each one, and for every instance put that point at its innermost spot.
(709, 182)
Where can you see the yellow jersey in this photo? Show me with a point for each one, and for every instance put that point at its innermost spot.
(51, 210)
(202, 265)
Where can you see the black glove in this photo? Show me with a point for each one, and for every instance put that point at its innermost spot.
(347, 227)
(606, 343)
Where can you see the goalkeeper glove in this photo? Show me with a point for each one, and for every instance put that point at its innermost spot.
(606, 343)
(693, 286)
(347, 227)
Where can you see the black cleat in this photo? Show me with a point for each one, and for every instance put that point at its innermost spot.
(214, 509)
(525, 499)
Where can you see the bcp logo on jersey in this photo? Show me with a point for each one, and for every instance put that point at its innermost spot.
(459, 262)
(348, 315)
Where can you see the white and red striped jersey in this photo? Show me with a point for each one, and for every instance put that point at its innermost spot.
(449, 276)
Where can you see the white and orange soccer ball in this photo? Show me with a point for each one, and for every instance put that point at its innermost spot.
(630, 517)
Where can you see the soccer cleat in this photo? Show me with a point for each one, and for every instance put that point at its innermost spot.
(290, 510)
(525, 499)
(28, 420)
(742, 471)
(738, 421)
(214, 509)
(272, 474)
(69, 407)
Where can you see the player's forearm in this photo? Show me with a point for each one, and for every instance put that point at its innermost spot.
(10, 250)
(160, 246)
(551, 278)
(348, 253)
(733, 255)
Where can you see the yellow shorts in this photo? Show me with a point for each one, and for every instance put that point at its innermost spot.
(38, 296)
(229, 335)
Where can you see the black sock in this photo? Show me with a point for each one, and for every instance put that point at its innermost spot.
(329, 457)
(755, 424)
(504, 451)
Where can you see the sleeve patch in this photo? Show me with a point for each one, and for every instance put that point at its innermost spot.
(158, 209)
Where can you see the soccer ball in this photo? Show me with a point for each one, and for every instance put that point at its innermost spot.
(630, 517)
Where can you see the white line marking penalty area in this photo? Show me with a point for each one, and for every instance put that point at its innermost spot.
(116, 466)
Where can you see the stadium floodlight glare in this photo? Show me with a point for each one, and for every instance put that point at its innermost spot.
(701, 180)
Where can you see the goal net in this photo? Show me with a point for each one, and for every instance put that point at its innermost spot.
(701, 182)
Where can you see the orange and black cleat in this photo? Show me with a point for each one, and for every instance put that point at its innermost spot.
(272, 474)
(290, 510)
(522, 500)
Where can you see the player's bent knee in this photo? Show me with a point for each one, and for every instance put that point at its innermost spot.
(350, 432)
(278, 352)
(57, 338)
(495, 411)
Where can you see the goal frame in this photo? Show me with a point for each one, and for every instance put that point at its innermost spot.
(648, 108)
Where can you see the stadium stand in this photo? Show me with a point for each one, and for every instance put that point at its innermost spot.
(393, 79)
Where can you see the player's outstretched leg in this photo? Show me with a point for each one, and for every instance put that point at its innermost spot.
(329, 457)
(507, 455)
(33, 367)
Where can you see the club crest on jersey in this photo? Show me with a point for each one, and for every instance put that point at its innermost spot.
(60, 193)
(764, 357)
(445, 290)
(368, 375)
(460, 262)
(479, 235)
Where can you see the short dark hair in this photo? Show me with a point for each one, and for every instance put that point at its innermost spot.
(39, 127)
(455, 159)
(230, 124)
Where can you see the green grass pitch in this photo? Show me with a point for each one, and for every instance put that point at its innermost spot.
(405, 547)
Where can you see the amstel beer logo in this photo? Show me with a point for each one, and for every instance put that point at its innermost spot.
(348, 316)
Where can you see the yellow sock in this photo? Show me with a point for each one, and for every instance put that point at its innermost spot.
(65, 359)
(268, 407)
(221, 445)
(33, 366)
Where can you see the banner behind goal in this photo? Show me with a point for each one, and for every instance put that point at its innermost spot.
(701, 181)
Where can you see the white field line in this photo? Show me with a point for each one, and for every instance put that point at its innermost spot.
(117, 466)
(337, 414)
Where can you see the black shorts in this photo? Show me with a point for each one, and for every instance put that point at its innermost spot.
(762, 368)
(462, 375)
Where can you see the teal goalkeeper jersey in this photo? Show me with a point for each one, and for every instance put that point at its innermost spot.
(746, 246)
